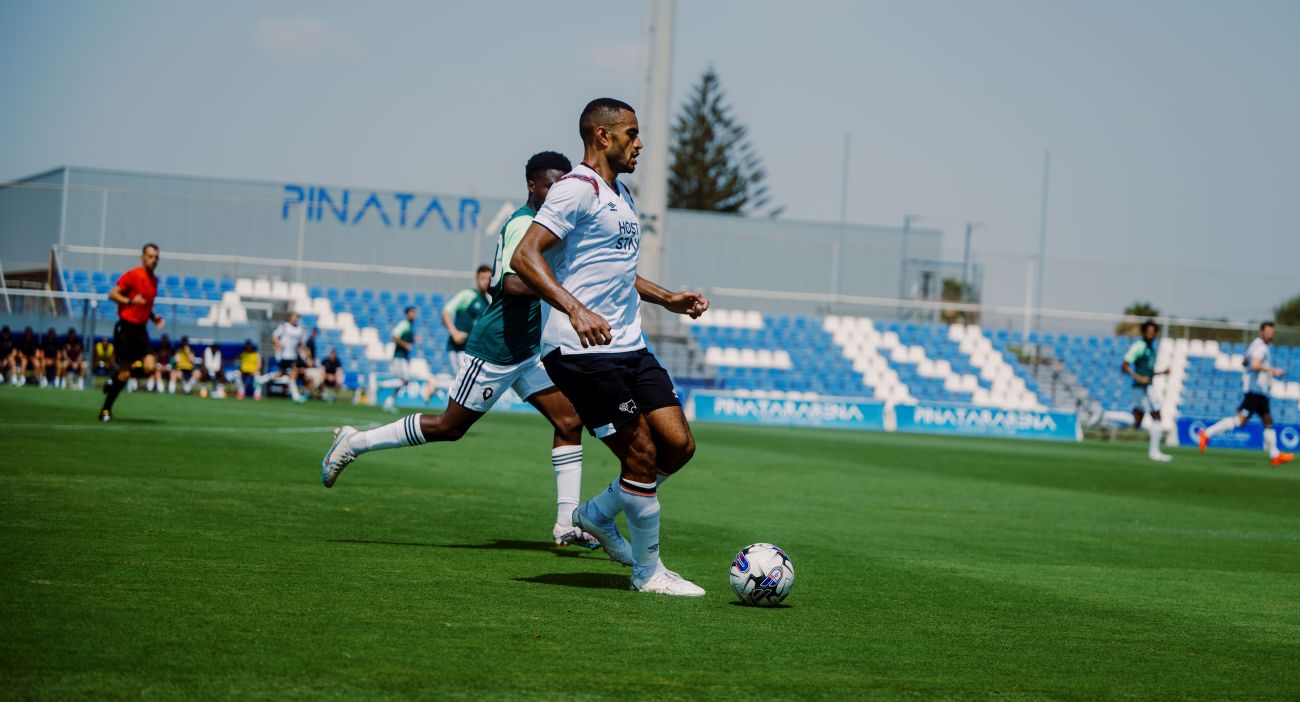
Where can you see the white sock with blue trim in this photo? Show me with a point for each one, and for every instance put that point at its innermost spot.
(567, 461)
(403, 432)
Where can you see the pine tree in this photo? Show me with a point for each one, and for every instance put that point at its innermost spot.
(714, 166)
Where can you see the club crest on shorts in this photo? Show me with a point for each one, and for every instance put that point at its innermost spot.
(629, 407)
(487, 394)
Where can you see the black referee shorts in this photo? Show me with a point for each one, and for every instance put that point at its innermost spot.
(610, 389)
(130, 343)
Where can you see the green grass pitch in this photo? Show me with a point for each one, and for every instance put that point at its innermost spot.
(188, 551)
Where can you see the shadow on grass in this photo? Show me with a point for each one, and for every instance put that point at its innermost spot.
(738, 603)
(494, 545)
(599, 581)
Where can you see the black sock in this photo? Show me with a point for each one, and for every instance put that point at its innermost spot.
(111, 390)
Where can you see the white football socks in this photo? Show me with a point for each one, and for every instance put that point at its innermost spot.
(1270, 442)
(567, 462)
(642, 507)
(403, 432)
(1154, 429)
(1225, 424)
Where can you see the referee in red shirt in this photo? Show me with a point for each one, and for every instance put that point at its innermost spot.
(134, 294)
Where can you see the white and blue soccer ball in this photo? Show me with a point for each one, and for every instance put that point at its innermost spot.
(762, 575)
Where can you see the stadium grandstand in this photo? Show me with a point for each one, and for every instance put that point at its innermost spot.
(237, 256)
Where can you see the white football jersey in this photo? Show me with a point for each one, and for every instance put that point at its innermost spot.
(212, 359)
(595, 261)
(289, 336)
(1256, 381)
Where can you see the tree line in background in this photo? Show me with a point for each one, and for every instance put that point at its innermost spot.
(1286, 316)
(714, 165)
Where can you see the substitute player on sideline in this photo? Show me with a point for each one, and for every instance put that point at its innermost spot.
(501, 353)
(287, 338)
(1256, 380)
(580, 255)
(1140, 365)
(134, 294)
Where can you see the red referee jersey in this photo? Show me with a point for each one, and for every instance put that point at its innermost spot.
(137, 281)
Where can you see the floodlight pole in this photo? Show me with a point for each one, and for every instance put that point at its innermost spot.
(653, 205)
(965, 262)
(1042, 236)
(902, 261)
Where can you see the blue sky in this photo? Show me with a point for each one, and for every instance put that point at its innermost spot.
(1171, 124)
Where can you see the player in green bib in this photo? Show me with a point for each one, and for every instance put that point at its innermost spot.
(501, 353)
(1140, 365)
(462, 313)
(403, 338)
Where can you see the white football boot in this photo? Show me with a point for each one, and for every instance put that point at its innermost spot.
(338, 457)
(573, 536)
(666, 582)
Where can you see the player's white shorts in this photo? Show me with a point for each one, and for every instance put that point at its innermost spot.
(480, 383)
(400, 368)
(1144, 397)
(456, 359)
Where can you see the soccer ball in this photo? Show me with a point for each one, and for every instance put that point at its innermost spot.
(762, 575)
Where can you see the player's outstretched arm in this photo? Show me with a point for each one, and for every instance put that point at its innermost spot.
(686, 302)
(536, 273)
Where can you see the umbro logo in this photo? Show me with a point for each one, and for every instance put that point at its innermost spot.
(613, 207)
(629, 407)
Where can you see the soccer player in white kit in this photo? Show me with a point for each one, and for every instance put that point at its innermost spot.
(1256, 380)
(288, 337)
(580, 256)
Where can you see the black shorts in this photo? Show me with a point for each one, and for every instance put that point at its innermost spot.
(130, 343)
(286, 365)
(611, 389)
(1254, 403)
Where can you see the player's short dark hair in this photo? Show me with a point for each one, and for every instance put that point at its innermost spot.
(1150, 323)
(546, 161)
(600, 112)
(1265, 324)
(483, 269)
(148, 246)
(409, 309)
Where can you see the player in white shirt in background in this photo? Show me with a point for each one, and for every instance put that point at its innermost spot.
(288, 337)
(580, 256)
(1256, 380)
(213, 374)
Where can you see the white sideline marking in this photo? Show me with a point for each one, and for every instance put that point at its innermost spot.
(168, 428)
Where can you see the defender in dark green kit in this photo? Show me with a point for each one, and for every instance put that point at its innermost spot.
(1140, 365)
(502, 352)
